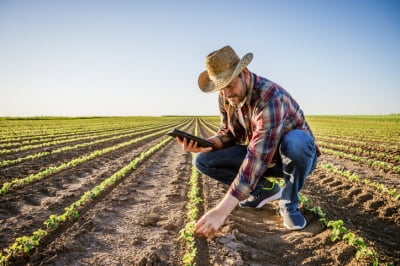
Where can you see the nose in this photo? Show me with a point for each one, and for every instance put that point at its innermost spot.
(227, 92)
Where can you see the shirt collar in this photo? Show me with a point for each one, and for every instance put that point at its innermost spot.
(249, 91)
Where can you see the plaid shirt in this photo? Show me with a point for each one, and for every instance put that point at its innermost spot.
(269, 113)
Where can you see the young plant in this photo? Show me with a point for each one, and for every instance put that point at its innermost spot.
(337, 229)
(188, 232)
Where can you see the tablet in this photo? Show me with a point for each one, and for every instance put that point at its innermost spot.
(181, 134)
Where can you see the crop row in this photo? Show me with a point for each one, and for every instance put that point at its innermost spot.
(371, 162)
(29, 140)
(74, 138)
(188, 233)
(13, 131)
(337, 229)
(366, 133)
(72, 163)
(210, 127)
(80, 145)
(340, 232)
(380, 129)
(381, 146)
(25, 244)
(352, 177)
(389, 138)
(33, 129)
(385, 157)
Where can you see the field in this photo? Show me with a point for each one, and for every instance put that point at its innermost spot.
(118, 191)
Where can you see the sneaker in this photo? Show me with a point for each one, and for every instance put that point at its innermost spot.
(262, 198)
(293, 220)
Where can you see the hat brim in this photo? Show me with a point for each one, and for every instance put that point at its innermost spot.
(207, 85)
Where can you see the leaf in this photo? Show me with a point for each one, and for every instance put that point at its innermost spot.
(358, 254)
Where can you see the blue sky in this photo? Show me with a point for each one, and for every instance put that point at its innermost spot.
(85, 58)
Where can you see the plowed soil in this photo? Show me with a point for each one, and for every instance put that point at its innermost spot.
(137, 221)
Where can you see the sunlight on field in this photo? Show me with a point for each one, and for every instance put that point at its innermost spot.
(56, 172)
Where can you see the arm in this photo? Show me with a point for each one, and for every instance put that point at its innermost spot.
(261, 150)
(213, 219)
(269, 127)
(266, 136)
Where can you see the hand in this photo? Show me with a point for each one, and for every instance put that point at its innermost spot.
(213, 219)
(192, 146)
(209, 224)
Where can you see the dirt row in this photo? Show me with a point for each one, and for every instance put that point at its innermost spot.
(382, 156)
(257, 237)
(24, 209)
(389, 180)
(375, 146)
(64, 136)
(137, 222)
(27, 167)
(72, 139)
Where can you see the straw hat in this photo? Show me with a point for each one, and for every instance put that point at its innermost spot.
(222, 66)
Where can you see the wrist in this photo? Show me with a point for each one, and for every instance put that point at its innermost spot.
(217, 142)
(227, 204)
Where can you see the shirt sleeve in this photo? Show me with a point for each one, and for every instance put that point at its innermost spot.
(269, 125)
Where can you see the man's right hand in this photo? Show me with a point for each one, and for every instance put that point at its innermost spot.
(191, 146)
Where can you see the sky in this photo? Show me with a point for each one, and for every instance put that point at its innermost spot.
(120, 58)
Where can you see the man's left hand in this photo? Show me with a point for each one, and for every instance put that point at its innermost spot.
(213, 219)
(210, 222)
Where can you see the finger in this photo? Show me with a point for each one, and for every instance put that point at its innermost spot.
(199, 224)
(191, 145)
(185, 144)
(208, 231)
(205, 149)
(204, 228)
(200, 230)
(194, 145)
(179, 140)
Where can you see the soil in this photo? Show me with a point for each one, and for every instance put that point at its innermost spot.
(137, 221)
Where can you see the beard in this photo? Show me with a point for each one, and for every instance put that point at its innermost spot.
(236, 99)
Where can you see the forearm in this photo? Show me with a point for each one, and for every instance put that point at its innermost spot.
(227, 204)
(210, 222)
(226, 138)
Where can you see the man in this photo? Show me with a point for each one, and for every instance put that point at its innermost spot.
(263, 133)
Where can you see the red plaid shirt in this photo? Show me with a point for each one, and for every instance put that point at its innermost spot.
(269, 112)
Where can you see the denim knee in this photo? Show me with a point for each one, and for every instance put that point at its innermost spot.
(198, 161)
(298, 144)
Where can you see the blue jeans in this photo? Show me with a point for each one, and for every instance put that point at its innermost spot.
(298, 158)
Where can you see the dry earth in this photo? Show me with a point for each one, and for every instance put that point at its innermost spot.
(137, 221)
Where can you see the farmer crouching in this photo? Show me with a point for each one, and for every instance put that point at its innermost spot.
(263, 133)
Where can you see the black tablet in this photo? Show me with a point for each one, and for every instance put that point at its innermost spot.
(181, 134)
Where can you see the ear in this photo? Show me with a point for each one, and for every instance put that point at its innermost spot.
(246, 73)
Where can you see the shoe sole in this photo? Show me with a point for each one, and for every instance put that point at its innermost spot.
(273, 197)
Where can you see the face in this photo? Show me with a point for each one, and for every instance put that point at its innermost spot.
(235, 92)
